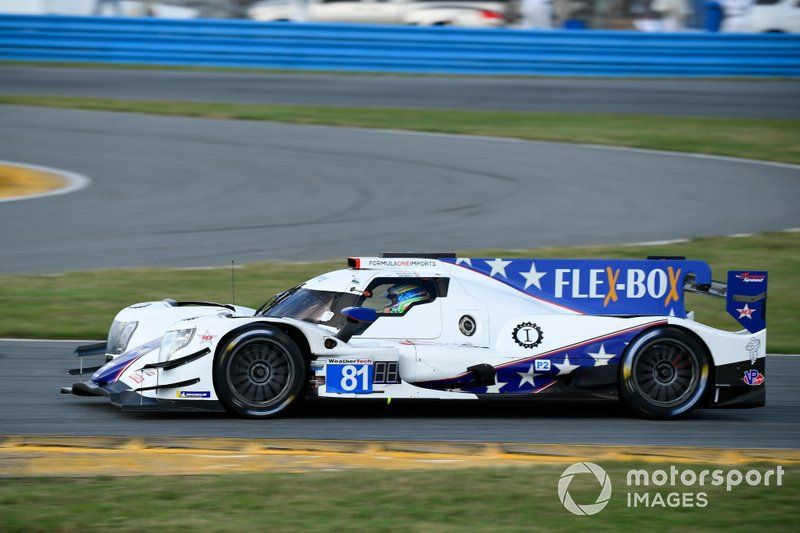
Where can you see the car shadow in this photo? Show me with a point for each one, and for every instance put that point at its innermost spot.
(366, 410)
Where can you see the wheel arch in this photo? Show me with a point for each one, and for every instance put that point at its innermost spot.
(292, 331)
(679, 327)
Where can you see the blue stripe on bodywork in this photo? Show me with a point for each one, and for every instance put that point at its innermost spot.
(588, 354)
(111, 371)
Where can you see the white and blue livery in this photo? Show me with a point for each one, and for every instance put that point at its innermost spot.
(430, 326)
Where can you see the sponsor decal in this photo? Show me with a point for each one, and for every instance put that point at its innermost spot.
(527, 335)
(408, 263)
(349, 361)
(207, 337)
(139, 376)
(752, 349)
(659, 284)
(542, 365)
(746, 311)
(598, 286)
(753, 377)
(747, 277)
(193, 394)
(354, 376)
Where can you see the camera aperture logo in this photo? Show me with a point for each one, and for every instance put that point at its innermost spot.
(602, 498)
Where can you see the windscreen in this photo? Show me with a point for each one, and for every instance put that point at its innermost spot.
(318, 307)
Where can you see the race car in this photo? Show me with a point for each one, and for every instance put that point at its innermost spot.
(437, 326)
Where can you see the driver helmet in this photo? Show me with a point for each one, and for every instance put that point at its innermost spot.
(402, 296)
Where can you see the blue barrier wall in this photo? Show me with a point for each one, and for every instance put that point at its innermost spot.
(237, 43)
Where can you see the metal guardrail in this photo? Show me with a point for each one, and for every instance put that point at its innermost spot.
(436, 50)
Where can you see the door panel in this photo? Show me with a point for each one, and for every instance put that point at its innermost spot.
(420, 322)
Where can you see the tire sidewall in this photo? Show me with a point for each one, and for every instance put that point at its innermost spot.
(226, 396)
(635, 400)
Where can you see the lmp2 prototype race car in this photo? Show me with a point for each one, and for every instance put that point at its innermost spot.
(434, 326)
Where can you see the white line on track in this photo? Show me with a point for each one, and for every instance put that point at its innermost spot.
(679, 241)
(594, 146)
(657, 243)
(74, 181)
(695, 156)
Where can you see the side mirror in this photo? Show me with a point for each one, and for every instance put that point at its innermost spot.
(362, 315)
(358, 320)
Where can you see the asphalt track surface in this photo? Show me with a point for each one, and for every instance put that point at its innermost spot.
(190, 192)
(32, 372)
(719, 98)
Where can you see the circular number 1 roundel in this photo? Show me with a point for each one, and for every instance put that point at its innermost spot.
(527, 335)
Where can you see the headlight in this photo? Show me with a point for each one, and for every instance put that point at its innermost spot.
(119, 336)
(173, 341)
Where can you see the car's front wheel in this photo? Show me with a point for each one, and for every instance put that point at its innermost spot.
(664, 373)
(259, 373)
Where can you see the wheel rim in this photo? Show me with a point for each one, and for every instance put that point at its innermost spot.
(666, 372)
(260, 373)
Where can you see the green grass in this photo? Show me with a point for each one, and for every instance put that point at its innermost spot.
(82, 304)
(770, 139)
(491, 499)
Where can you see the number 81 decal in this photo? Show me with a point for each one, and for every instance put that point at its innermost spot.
(353, 377)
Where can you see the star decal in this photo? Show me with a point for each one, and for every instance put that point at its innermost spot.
(566, 367)
(207, 337)
(494, 389)
(465, 260)
(498, 267)
(746, 312)
(527, 377)
(601, 357)
(532, 277)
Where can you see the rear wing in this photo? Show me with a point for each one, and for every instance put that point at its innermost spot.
(745, 296)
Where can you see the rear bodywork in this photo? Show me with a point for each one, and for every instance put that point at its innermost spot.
(523, 327)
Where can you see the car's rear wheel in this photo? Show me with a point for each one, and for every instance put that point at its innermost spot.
(664, 373)
(259, 373)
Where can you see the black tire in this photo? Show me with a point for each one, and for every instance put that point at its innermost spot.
(664, 373)
(259, 373)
